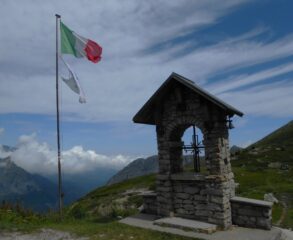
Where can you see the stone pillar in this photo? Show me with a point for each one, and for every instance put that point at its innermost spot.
(217, 153)
(164, 195)
(167, 165)
(220, 185)
(218, 195)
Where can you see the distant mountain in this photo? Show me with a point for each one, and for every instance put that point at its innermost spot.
(273, 151)
(6, 148)
(235, 149)
(281, 137)
(78, 184)
(144, 166)
(30, 190)
(138, 167)
(74, 186)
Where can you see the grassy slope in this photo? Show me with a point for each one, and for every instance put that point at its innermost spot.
(255, 171)
(120, 199)
(95, 213)
(251, 171)
(29, 222)
(281, 137)
(253, 184)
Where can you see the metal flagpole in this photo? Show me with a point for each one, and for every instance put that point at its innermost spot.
(58, 17)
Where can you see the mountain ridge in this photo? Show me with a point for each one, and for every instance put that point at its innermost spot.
(136, 168)
(30, 190)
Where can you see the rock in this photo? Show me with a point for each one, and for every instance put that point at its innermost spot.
(274, 165)
(270, 198)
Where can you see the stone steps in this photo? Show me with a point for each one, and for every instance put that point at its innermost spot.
(235, 233)
(186, 224)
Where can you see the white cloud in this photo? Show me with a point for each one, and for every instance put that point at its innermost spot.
(36, 157)
(1, 131)
(274, 99)
(126, 77)
(244, 80)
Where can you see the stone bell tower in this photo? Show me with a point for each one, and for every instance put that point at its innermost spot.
(206, 196)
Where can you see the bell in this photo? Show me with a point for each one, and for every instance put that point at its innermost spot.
(230, 124)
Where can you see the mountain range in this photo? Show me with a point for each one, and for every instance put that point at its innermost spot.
(144, 166)
(275, 146)
(40, 193)
(30, 190)
(138, 167)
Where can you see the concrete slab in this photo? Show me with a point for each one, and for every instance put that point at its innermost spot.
(186, 224)
(239, 233)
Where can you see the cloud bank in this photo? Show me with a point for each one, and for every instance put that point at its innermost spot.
(36, 157)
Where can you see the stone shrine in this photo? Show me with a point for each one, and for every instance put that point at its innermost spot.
(207, 196)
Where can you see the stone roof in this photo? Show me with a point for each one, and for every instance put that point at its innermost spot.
(145, 114)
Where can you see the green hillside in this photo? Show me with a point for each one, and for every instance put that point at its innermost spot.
(273, 151)
(94, 216)
(267, 167)
(264, 167)
(120, 199)
(282, 137)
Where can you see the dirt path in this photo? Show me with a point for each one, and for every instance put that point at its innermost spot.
(43, 234)
(283, 215)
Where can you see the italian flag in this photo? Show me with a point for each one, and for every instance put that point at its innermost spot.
(72, 43)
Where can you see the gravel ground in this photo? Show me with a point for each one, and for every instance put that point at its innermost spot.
(287, 234)
(43, 234)
(50, 234)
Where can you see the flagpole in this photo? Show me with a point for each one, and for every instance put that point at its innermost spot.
(60, 195)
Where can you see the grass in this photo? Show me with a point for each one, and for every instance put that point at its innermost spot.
(254, 184)
(11, 220)
(95, 215)
(120, 199)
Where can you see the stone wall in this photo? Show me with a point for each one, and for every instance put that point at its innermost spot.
(190, 196)
(150, 203)
(251, 213)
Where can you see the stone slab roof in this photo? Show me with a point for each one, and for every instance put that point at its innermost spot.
(145, 114)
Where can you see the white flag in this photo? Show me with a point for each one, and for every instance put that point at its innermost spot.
(73, 83)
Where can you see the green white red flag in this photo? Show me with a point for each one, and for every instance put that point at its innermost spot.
(72, 43)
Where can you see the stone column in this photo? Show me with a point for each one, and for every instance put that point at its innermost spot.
(164, 185)
(220, 183)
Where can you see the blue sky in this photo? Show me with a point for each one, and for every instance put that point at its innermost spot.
(240, 50)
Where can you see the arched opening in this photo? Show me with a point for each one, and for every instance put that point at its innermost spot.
(193, 150)
(187, 152)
